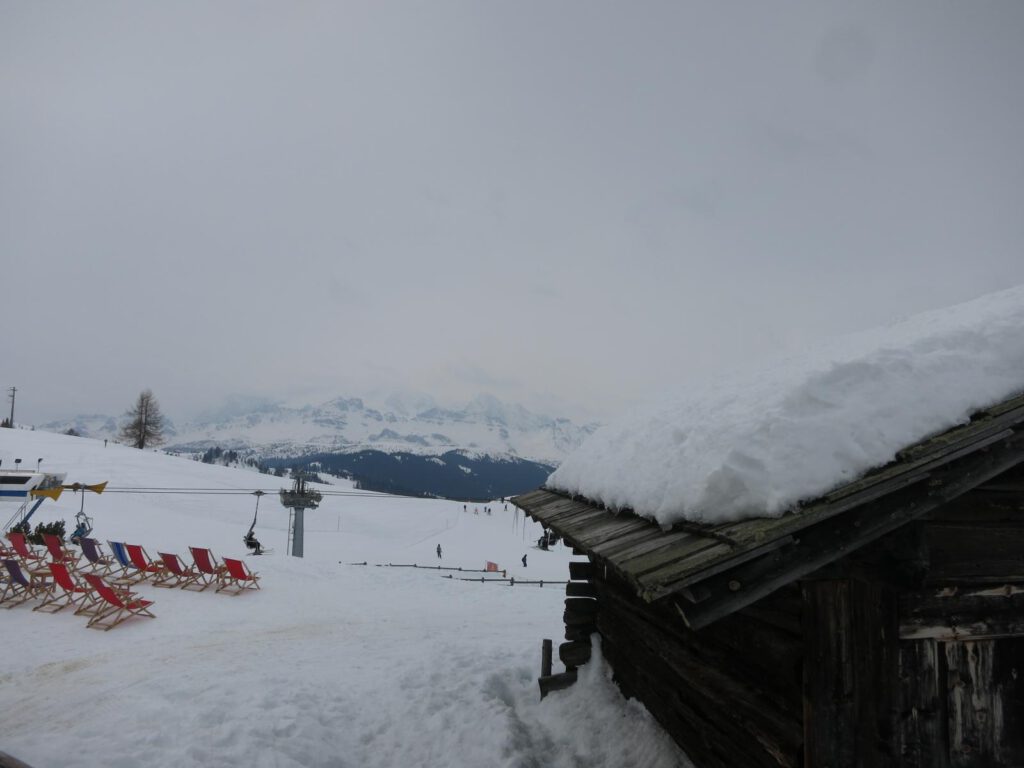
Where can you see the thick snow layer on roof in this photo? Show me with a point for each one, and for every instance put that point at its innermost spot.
(755, 447)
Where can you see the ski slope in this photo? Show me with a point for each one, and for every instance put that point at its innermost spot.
(329, 664)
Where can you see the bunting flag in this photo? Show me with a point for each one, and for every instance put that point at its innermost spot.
(49, 493)
(489, 566)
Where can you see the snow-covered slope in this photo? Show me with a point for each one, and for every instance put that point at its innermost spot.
(485, 425)
(329, 664)
(755, 447)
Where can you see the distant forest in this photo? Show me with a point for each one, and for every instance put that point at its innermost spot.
(451, 475)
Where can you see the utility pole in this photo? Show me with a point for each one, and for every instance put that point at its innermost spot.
(12, 390)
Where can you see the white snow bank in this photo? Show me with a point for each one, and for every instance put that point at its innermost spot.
(751, 448)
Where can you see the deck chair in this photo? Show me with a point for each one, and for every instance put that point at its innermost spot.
(130, 574)
(120, 606)
(21, 585)
(212, 571)
(58, 552)
(141, 560)
(23, 549)
(68, 592)
(237, 578)
(100, 564)
(179, 575)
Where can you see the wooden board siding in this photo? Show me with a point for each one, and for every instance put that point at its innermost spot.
(730, 695)
(978, 539)
(850, 666)
(986, 703)
(922, 719)
(962, 704)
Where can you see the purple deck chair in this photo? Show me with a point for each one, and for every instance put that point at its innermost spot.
(101, 564)
(18, 587)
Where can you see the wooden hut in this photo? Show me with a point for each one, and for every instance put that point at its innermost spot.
(879, 625)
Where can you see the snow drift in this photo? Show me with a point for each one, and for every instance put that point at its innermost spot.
(755, 447)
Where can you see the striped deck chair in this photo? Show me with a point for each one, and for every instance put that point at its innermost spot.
(120, 605)
(129, 574)
(21, 585)
(58, 552)
(68, 592)
(100, 564)
(23, 549)
(212, 571)
(179, 575)
(141, 560)
(237, 578)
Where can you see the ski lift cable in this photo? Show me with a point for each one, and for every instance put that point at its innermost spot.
(157, 490)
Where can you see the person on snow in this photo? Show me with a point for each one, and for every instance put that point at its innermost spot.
(524, 561)
(438, 551)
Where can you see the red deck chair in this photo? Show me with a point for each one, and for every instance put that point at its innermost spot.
(212, 571)
(58, 552)
(179, 575)
(140, 559)
(238, 578)
(121, 606)
(23, 550)
(69, 592)
(20, 585)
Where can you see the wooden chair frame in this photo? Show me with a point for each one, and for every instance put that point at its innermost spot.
(84, 599)
(211, 570)
(238, 577)
(179, 575)
(23, 549)
(99, 563)
(22, 585)
(122, 606)
(145, 564)
(130, 574)
(58, 552)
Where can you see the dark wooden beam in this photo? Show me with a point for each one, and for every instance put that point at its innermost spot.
(953, 614)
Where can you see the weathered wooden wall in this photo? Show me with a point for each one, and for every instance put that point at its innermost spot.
(849, 673)
(729, 694)
(962, 636)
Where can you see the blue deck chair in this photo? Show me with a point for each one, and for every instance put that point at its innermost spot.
(129, 573)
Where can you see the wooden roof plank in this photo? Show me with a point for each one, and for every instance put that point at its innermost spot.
(608, 549)
(570, 527)
(606, 530)
(676, 576)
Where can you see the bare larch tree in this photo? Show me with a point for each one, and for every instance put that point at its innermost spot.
(145, 425)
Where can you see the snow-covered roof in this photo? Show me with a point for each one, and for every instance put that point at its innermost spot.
(755, 447)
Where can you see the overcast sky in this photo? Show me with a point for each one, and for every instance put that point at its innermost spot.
(572, 205)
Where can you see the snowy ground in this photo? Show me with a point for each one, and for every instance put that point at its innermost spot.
(329, 664)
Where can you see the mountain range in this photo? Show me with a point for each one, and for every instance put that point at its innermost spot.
(486, 449)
